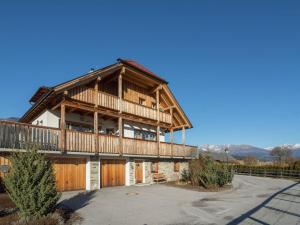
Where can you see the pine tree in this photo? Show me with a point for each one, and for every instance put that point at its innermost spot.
(31, 184)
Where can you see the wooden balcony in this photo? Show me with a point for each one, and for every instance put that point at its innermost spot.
(15, 135)
(105, 100)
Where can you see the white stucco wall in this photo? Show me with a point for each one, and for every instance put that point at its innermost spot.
(47, 118)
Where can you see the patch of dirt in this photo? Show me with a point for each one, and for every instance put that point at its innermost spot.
(188, 186)
(5, 202)
(62, 215)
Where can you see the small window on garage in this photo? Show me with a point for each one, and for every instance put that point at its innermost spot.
(154, 167)
(176, 166)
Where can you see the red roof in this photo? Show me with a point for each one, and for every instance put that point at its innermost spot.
(141, 68)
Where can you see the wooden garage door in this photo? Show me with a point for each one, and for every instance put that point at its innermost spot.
(112, 172)
(69, 173)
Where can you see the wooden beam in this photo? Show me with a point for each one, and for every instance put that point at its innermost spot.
(158, 140)
(157, 105)
(159, 87)
(183, 136)
(63, 127)
(120, 119)
(120, 88)
(169, 107)
(96, 131)
(172, 141)
(120, 126)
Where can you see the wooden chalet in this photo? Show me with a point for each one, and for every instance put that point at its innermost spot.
(105, 128)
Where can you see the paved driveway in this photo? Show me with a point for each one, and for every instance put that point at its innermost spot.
(253, 200)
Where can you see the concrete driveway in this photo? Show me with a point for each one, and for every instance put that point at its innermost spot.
(253, 200)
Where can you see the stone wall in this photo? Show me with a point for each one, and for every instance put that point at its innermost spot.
(167, 167)
(94, 177)
(148, 178)
(131, 172)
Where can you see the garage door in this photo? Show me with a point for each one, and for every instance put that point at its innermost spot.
(69, 173)
(112, 172)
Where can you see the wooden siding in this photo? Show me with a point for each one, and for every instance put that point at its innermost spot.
(139, 110)
(139, 147)
(109, 101)
(15, 135)
(133, 92)
(79, 141)
(108, 143)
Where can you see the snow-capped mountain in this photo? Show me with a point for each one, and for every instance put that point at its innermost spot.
(289, 146)
(240, 151)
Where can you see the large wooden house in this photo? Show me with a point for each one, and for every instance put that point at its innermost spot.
(105, 128)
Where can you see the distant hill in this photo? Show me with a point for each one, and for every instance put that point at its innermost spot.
(242, 151)
(11, 119)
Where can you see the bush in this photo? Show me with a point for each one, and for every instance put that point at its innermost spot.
(205, 172)
(31, 184)
(185, 177)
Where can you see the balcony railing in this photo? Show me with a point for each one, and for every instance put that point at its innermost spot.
(15, 135)
(105, 100)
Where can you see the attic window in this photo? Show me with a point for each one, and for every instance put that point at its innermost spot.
(142, 101)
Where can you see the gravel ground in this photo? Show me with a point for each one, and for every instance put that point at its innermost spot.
(253, 200)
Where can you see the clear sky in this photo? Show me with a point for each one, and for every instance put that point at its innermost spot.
(234, 66)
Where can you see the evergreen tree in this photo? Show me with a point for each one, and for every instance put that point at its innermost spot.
(31, 184)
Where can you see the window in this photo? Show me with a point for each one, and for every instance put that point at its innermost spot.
(144, 135)
(176, 166)
(154, 167)
(142, 101)
(79, 127)
(153, 105)
(110, 131)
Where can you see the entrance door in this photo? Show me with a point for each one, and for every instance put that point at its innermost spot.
(112, 172)
(139, 172)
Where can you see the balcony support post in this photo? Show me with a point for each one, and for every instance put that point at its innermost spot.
(158, 140)
(120, 119)
(158, 118)
(120, 124)
(63, 127)
(172, 141)
(96, 132)
(183, 139)
(96, 123)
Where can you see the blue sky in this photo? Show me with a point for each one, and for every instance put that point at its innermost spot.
(233, 65)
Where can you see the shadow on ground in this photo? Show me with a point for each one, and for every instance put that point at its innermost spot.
(280, 208)
(77, 201)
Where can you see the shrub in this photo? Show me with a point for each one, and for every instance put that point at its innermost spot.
(31, 184)
(185, 177)
(205, 172)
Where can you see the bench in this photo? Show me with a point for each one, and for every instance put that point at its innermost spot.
(159, 177)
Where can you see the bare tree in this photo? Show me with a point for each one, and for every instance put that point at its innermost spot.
(282, 154)
(250, 160)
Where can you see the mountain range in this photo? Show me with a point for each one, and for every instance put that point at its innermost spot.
(243, 150)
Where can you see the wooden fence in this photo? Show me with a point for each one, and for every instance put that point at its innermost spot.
(264, 172)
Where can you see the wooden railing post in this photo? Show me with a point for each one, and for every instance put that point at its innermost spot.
(63, 127)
